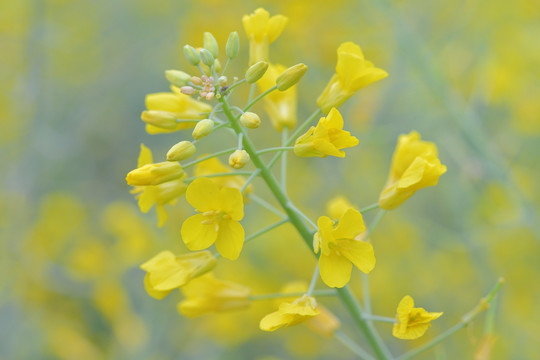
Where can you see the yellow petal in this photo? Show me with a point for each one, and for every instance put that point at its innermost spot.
(230, 239)
(231, 203)
(324, 234)
(196, 235)
(276, 24)
(161, 214)
(203, 195)
(360, 253)
(274, 321)
(350, 225)
(335, 270)
(145, 156)
(156, 294)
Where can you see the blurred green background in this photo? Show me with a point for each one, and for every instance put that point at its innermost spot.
(74, 75)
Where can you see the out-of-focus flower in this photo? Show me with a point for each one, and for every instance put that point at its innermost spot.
(340, 250)
(412, 322)
(327, 138)
(262, 30)
(206, 294)
(338, 206)
(290, 314)
(166, 271)
(214, 166)
(353, 72)
(414, 166)
(218, 222)
(183, 107)
(280, 105)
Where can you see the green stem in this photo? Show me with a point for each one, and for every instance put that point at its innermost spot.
(284, 161)
(307, 235)
(374, 223)
(319, 293)
(379, 318)
(251, 92)
(226, 65)
(482, 305)
(351, 345)
(369, 208)
(365, 277)
(235, 85)
(250, 178)
(251, 103)
(204, 158)
(274, 149)
(232, 173)
(267, 205)
(313, 280)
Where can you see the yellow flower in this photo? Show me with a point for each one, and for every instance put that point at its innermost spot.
(154, 173)
(160, 195)
(414, 166)
(412, 322)
(340, 249)
(353, 72)
(327, 138)
(165, 271)
(290, 314)
(280, 105)
(184, 107)
(337, 206)
(220, 210)
(206, 294)
(214, 166)
(262, 30)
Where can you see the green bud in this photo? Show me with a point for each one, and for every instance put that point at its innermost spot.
(210, 44)
(191, 55)
(256, 71)
(203, 128)
(233, 45)
(207, 58)
(250, 120)
(181, 151)
(217, 65)
(290, 76)
(161, 119)
(177, 77)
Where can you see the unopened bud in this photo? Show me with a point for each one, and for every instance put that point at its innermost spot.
(256, 71)
(222, 81)
(203, 128)
(211, 44)
(250, 120)
(195, 80)
(177, 77)
(188, 90)
(161, 119)
(207, 58)
(238, 159)
(191, 55)
(290, 76)
(181, 151)
(233, 45)
(217, 65)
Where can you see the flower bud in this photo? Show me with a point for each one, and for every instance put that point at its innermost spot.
(207, 58)
(161, 119)
(203, 128)
(191, 55)
(238, 159)
(181, 151)
(210, 44)
(233, 45)
(187, 90)
(217, 65)
(290, 76)
(177, 77)
(154, 174)
(196, 80)
(250, 120)
(256, 71)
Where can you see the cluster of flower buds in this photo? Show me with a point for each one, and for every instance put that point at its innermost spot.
(205, 85)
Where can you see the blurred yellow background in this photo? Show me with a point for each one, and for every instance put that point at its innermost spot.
(74, 75)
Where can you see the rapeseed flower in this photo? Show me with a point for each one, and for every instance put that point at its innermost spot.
(166, 271)
(340, 248)
(414, 166)
(262, 30)
(220, 211)
(206, 294)
(412, 322)
(353, 72)
(290, 314)
(327, 138)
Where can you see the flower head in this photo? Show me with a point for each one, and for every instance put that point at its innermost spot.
(206, 294)
(160, 195)
(262, 30)
(214, 166)
(414, 166)
(412, 322)
(353, 72)
(340, 249)
(280, 105)
(180, 105)
(327, 138)
(290, 314)
(220, 211)
(165, 271)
